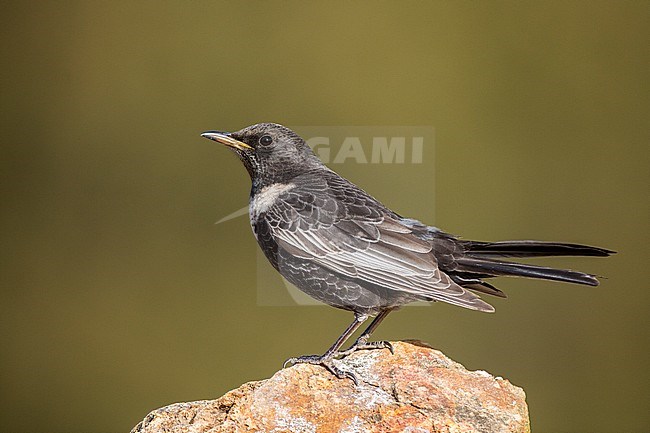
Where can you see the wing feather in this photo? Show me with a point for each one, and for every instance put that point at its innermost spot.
(345, 230)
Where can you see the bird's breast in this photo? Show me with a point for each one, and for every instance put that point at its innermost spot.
(266, 197)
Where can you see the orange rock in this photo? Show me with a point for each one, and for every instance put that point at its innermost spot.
(416, 390)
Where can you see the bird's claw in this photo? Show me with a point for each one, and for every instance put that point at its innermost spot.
(366, 345)
(324, 362)
(306, 359)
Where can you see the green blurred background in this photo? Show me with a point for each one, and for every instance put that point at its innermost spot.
(120, 295)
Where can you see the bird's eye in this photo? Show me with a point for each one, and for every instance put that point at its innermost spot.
(265, 140)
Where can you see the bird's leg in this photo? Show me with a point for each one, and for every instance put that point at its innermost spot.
(326, 359)
(363, 343)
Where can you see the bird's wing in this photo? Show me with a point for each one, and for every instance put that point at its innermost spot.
(339, 226)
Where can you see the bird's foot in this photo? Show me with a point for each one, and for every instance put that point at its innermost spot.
(361, 344)
(325, 361)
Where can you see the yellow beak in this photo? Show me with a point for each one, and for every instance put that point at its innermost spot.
(225, 138)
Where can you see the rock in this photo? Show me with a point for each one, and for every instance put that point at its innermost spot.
(417, 390)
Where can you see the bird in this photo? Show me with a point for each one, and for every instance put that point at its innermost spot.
(341, 246)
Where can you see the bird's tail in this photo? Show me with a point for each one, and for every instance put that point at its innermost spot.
(481, 259)
(531, 249)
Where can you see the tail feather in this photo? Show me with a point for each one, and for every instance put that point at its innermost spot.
(531, 249)
(493, 268)
(478, 285)
(474, 261)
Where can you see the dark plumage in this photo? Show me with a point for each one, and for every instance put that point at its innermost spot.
(343, 247)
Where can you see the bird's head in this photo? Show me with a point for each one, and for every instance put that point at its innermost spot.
(270, 152)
